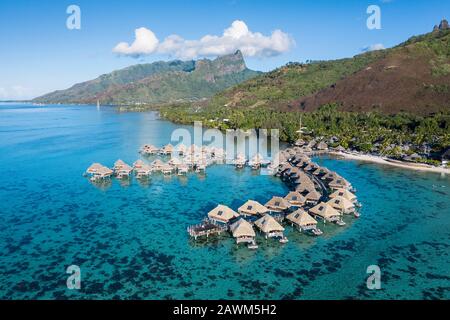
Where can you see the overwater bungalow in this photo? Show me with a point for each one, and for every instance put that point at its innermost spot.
(278, 204)
(167, 169)
(304, 222)
(93, 168)
(240, 161)
(118, 164)
(271, 228)
(312, 197)
(122, 170)
(143, 171)
(157, 165)
(200, 166)
(341, 204)
(167, 150)
(295, 199)
(345, 194)
(320, 172)
(182, 169)
(252, 208)
(138, 164)
(99, 172)
(305, 187)
(339, 183)
(243, 232)
(181, 149)
(330, 176)
(175, 162)
(222, 214)
(256, 162)
(149, 149)
(311, 167)
(327, 213)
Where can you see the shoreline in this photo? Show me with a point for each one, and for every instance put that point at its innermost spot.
(380, 160)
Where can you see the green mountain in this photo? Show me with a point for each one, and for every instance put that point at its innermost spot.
(159, 82)
(411, 77)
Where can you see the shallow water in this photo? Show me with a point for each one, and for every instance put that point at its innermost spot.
(131, 242)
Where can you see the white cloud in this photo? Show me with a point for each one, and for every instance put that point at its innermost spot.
(145, 43)
(374, 47)
(16, 92)
(237, 36)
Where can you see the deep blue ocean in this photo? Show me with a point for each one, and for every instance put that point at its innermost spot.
(130, 240)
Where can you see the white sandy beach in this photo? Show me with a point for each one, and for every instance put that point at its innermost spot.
(380, 160)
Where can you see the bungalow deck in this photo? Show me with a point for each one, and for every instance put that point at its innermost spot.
(205, 228)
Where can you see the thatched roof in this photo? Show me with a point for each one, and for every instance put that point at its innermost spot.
(301, 218)
(343, 193)
(242, 228)
(94, 167)
(295, 198)
(340, 203)
(222, 213)
(167, 148)
(181, 148)
(313, 195)
(325, 211)
(305, 187)
(339, 183)
(312, 166)
(322, 146)
(118, 164)
(138, 164)
(278, 204)
(268, 224)
(252, 208)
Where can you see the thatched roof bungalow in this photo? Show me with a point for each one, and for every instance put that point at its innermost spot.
(302, 220)
(295, 199)
(222, 214)
(278, 204)
(326, 212)
(341, 204)
(345, 194)
(243, 231)
(252, 208)
(269, 226)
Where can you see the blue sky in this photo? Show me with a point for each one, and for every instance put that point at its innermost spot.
(39, 54)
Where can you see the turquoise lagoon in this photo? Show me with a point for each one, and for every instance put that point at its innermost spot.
(130, 240)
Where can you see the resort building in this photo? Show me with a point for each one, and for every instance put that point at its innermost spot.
(149, 149)
(167, 169)
(339, 183)
(326, 212)
(181, 149)
(303, 221)
(345, 194)
(278, 204)
(138, 164)
(312, 167)
(99, 172)
(313, 196)
(122, 170)
(322, 146)
(222, 214)
(295, 199)
(157, 165)
(341, 204)
(252, 208)
(167, 150)
(143, 171)
(243, 232)
(270, 227)
(182, 169)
